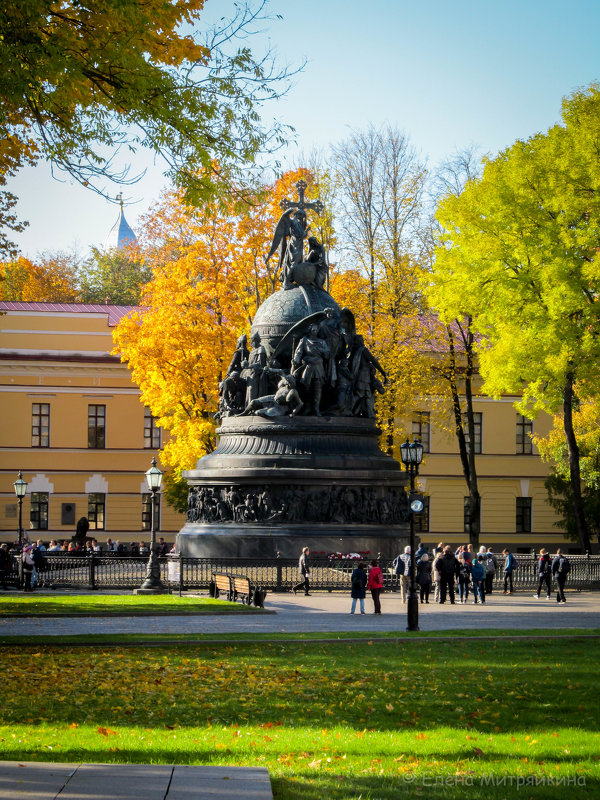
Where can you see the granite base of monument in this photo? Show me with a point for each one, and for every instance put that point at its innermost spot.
(237, 541)
(273, 486)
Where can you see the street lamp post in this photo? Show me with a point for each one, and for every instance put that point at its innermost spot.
(152, 583)
(20, 490)
(412, 455)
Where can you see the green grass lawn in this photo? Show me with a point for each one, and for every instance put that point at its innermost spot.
(376, 719)
(103, 604)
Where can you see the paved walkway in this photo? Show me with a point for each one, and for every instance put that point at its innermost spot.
(327, 613)
(27, 780)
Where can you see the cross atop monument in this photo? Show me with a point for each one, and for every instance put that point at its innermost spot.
(315, 205)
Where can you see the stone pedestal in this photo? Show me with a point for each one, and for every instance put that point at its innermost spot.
(273, 486)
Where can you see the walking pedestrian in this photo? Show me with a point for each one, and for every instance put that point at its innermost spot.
(304, 570)
(560, 570)
(544, 574)
(478, 579)
(510, 564)
(375, 585)
(358, 588)
(424, 577)
(448, 569)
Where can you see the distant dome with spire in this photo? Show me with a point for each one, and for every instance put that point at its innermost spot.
(121, 234)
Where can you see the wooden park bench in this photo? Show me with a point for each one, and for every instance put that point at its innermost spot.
(221, 584)
(237, 588)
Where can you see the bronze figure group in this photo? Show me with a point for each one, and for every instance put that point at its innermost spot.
(321, 367)
(331, 373)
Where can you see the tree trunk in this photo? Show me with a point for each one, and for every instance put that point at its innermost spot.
(574, 471)
(466, 446)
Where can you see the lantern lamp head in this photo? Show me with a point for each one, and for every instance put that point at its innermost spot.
(154, 477)
(20, 486)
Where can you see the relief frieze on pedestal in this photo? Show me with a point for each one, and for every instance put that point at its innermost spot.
(296, 504)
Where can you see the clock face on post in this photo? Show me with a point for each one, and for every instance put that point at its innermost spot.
(417, 506)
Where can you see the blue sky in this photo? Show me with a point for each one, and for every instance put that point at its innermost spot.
(448, 74)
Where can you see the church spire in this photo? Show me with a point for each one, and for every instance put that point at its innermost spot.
(121, 234)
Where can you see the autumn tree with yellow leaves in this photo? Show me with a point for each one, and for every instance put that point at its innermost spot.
(51, 278)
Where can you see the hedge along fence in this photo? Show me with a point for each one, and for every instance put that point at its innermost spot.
(115, 571)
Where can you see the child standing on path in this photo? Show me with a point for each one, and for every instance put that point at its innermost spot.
(478, 578)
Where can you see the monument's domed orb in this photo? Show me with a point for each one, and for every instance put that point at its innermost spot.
(282, 310)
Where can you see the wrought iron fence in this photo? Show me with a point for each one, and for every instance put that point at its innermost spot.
(116, 571)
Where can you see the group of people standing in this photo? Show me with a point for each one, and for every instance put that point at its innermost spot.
(445, 572)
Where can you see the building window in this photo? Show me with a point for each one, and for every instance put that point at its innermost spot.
(96, 508)
(151, 431)
(147, 512)
(40, 425)
(97, 426)
(38, 514)
(467, 524)
(422, 519)
(523, 515)
(524, 431)
(477, 425)
(421, 428)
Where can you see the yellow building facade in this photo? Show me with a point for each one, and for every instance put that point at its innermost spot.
(72, 421)
(511, 475)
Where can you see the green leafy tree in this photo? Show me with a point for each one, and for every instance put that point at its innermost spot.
(114, 276)
(519, 252)
(452, 373)
(175, 490)
(560, 499)
(84, 81)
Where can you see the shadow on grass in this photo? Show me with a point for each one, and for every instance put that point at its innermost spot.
(336, 784)
(429, 785)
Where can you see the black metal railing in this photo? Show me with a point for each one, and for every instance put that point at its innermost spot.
(116, 571)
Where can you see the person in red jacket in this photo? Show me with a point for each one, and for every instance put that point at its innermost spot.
(375, 584)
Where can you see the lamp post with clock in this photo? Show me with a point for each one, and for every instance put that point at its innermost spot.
(412, 455)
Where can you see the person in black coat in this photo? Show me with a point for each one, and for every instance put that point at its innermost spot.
(448, 568)
(358, 587)
(5, 564)
(424, 577)
(544, 574)
(464, 577)
(560, 570)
